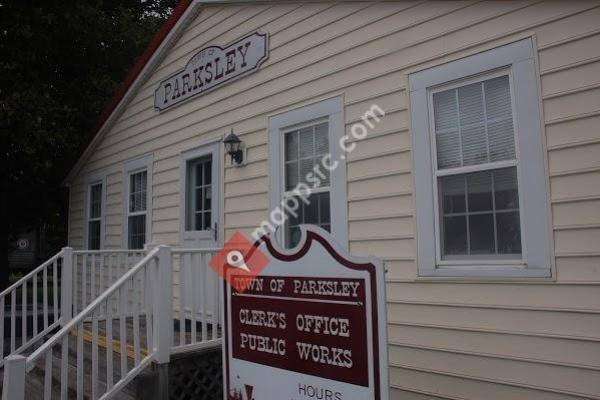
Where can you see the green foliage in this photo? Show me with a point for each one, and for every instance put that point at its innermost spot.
(60, 63)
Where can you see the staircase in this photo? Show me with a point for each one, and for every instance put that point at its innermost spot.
(84, 324)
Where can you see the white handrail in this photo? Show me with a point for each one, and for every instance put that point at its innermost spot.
(143, 294)
(45, 278)
(108, 251)
(196, 250)
(31, 274)
(87, 310)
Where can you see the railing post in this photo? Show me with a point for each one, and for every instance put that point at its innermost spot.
(66, 286)
(163, 338)
(13, 387)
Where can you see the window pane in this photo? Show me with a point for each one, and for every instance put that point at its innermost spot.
(137, 231)
(291, 146)
(321, 172)
(453, 194)
(304, 150)
(198, 191)
(199, 173)
(94, 235)
(292, 237)
(322, 139)
(479, 129)
(95, 201)
(207, 198)
(291, 175)
(206, 221)
(448, 150)
(470, 104)
(307, 143)
(474, 144)
(137, 191)
(479, 186)
(316, 212)
(311, 211)
(509, 233)
(208, 171)
(198, 200)
(497, 98)
(324, 211)
(502, 140)
(197, 222)
(481, 234)
(297, 216)
(455, 235)
(445, 110)
(306, 167)
(505, 189)
(489, 225)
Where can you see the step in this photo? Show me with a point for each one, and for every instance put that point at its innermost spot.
(35, 382)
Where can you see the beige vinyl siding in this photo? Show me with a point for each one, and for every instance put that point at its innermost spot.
(449, 339)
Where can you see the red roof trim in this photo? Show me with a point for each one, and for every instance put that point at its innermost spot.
(139, 65)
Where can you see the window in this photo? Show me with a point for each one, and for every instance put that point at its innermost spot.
(479, 166)
(200, 174)
(137, 202)
(94, 214)
(478, 211)
(199, 194)
(137, 209)
(299, 140)
(303, 149)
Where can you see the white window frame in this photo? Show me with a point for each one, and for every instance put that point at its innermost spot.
(93, 180)
(331, 110)
(516, 60)
(131, 167)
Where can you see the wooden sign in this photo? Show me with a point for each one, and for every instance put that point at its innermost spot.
(312, 325)
(212, 67)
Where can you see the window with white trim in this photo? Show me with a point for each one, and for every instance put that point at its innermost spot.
(304, 148)
(137, 202)
(476, 170)
(298, 141)
(479, 166)
(136, 219)
(94, 216)
(199, 194)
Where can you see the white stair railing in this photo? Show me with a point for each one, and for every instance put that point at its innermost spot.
(96, 270)
(32, 306)
(197, 301)
(124, 311)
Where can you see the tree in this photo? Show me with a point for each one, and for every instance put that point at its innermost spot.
(61, 61)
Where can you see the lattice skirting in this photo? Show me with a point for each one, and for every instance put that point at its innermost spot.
(197, 376)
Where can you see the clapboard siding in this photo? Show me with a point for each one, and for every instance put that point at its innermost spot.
(451, 339)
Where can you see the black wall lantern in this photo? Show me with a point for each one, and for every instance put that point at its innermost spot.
(233, 146)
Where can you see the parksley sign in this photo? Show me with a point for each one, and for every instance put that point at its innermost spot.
(311, 326)
(212, 67)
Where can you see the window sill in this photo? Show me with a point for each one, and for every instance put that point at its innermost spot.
(508, 272)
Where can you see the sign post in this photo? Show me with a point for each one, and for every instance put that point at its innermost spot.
(312, 325)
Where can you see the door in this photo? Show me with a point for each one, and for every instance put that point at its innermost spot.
(200, 204)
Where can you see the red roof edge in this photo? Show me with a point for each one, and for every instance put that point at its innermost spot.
(139, 65)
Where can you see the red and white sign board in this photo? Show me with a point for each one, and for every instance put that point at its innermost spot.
(311, 326)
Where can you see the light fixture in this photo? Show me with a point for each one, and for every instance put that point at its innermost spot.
(233, 146)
